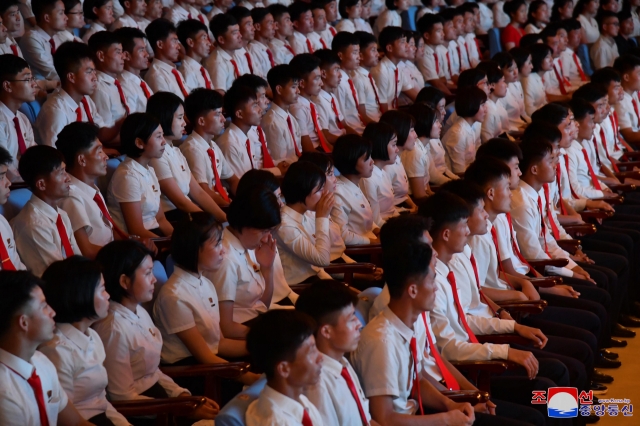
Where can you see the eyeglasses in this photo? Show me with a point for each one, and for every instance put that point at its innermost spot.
(30, 80)
(74, 13)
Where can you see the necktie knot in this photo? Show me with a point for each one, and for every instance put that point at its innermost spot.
(306, 419)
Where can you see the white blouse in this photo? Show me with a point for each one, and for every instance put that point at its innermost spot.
(439, 173)
(352, 213)
(379, 191)
(172, 164)
(535, 96)
(399, 180)
(416, 162)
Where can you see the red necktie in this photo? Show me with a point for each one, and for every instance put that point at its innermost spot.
(293, 136)
(145, 89)
(560, 81)
(87, 110)
(64, 238)
(494, 237)
(7, 264)
(14, 49)
(514, 244)
(78, 114)
(324, 45)
(316, 126)
(53, 46)
(449, 64)
(248, 145)
(449, 379)
(246, 55)
(416, 379)
(563, 209)
(352, 388)
(123, 100)
(543, 227)
(395, 94)
(566, 164)
(564, 78)
(332, 31)
(22, 146)
(267, 161)
(635, 108)
(616, 130)
(435, 58)
(270, 55)
(218, 184)
(201, 18)
(236, 70)
(103, 209)
(306, 420)
(36, 385)
(207, 82)
(353, 92)
(178, 78)
(309, 47)
(554, 228)
(290, 49)
(603, 141)
(594, 178)
(459, 55)
(583, 76)
(461, 315)
(375, 92)
(335, 111)
(475, 273)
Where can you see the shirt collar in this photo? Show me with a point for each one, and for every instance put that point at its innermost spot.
(234, 242)
(286, 210)
(67, 99)
(42, 33)
(6, 111)
(134, 165)
(45, 208)
(527, 189)
(18, 365)
(397, 324)
(191, 62)
(442, 268)
(119, 308)
(187, 277)
(80, 339)
(350, 185)
(200, 140)
(237, 133)
(332, 366)
(88, 190)
(223, 54)
(163, 65)
(277, 110)
(284, 403)
(105, 77)
(325, 95)
(386, 62)
(363, 71)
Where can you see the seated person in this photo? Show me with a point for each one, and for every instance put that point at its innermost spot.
(11, 260)
(533, 86)
(279, 44)
(74, 289)
(42, 230)
(390, 17)
(368, 100)
(99, 15)
(330, 113)
(181, 193)
(133, 196)
(302, 19)
(220, 64)
(163, 76)
(496, 119)
(18, 133)
(12, 19)
(281, 344)
(604, 51)
(27, 374)
(346, 48)
(513, 32)
(187, 309)
(513, 102)
(418, 163)
(136, 59)
(194, 37)
(208, 165)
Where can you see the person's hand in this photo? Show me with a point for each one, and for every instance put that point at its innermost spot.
(207, 411)
(529, 290)
(460, 413)
(325, 204)
(485, 407)
(535, 335)
(283, 166)
(580, 273)
(525, 359)
(562, 290)
(248, 378)
(377, 274)
(266, 253)
(600, 205)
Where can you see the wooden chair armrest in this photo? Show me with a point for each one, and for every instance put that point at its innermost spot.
(631, 155)
(541, 263)
(580, 230)
(181, 406)
(545, 281)
(503, 339)
(163, 243)
(631, 174)
(624, 187)
(570, 246)
(541, 302)
(595, 214)
(626, 165)
(353, 250)
(302, 287)
(473, 397)
(493, 366)
(19, 185)
(528, 308)
(350, 268)
(611, 200)
(225, 370)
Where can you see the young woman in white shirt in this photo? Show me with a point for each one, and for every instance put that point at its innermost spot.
(75, 20)
(434, 98)
(585, 11)
(535, 95)
(415, 49)
(561, 10)
(181, 193)
(74, 288)
(513, 102)
(100, 15)
(538, 17)
(134, 192)
(349, 10)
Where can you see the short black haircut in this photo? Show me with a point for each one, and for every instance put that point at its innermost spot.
(239, 13)
(603, 15)
(200, 102)
(625, 64)
(533, 151)
(444, 209)
(390, 35)
(190, 234)
(380, 135)
(298, 8)
(590, 92)
(343, 40)
(542, 130)
(401, 122)
(347, 150)
(158, 30)
(236, 98)
(5, 158)
(138, 125)
(538, 53)
(127, 36)
(40, 7)
(503, 59)
(320, 159)
(281, 75)
(162, 106)
(470, 78)
(469, 101)
(327, 57)
(257, 178)
(500, 148)
(343, 5)
(424, 117)
(467, 189)
(511, 7)
(259, 13)
(520, 55)
(76, 138)
(276, 336)
(551, 30)
(399, 229)
(324, 300)
(605, 76)
(69, 57)
(552, 113)
(252, 81)
(118, 258)
(484, 172)
(570, 24)
(37, 162)
(301, 179)
(87, 8)
(10, 67)
(366, 39)
(403, 263)
(581, 108)
(426, 23)
(430, 96)
(16, 288)
(623, 15)
(102, 41)
(189, 29)
(6, 4)
(256, 208)
(529, 40)
(70, 287)
(277, 10)
(303, 65)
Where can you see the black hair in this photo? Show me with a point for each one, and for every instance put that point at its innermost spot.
(298, 8)
(236, 98)
(303, 65)
(605, 76)
(444, 208)
(467, 189)
(16, 288)
(511, 7)
(470, 78)
(380, 135)
(102, 41)
(529, 40)
(38, 161)
(162, 106)
(555, 10)
(542, 130)
(88, 6)
(399, 229)
(366, 39)
(494, 74)
(571, 24)
(538, 53)
(281, 75)
(251, 81)
(481, 173)
(324, 300)
(533, 7)
(552, 113)
(424, 117)
(189, 29)
(220, 24)
(5, 158)
(579, 7)
(121, 257)
(625, 64)
(533, 151)
(276, 336)
(256, 208)
(343, 5)
(40, 7)
(469, 101)
(343, 40)
(301, 179)
(10, 67)
(190, 234)
(257, 177)
(6, 4)
(259, 13)
(590, 92)
(581, 108)
(430, 95)
(550, 30)
(448, 14)
(603, 15)
(70, 4)
(623, 15)
(200, 102)
(426, 23)
(389, 35)
(70, 287)
(127, 35)
(240, 13)
(327, 57)
(158, 30)
(503, 59)
(320, 159)
(500, 148)
(520, 55)
(401, 122)
(277, 10)
(76, 138)
(403, 263)
(69, 57)
(347, 150)
(138, 125)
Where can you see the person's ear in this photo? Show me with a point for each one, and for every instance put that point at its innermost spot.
(279, 90)
(139, 143)
(23, 322)
(200, 121)
(239, 114)
(94, 10)
(125, 282)
(534, 169)
(100, 55)
(388, 48)
(283, 369)
(127, 4)
(41, 185)
(446, 234)
(71, 78)
(126, 56)
(191, 42)
(341, 56)
(220, 40)
(325, 331)
(412, 290)
(82, 160)
(323, 73)
(491, 193)
(6, 86)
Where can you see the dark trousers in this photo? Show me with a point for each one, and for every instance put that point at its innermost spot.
(101, 420)
(568, 322)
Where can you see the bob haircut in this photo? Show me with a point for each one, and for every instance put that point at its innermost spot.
(347, 151)
(121, 257)
(425, 117)
(192, 232)
(300, 181)
(471, 78)
(320, 159)
(503, 59)
(401, 122)
(343, 5)
(469, 101)
(380, 135)
(257, 177)
(70, 288)
(87, 8)
(162, 106)
(552, 113)
(38, 161)
(255, 208)
(538, 53)
(520, 55)
(138, 125)
(430, 96)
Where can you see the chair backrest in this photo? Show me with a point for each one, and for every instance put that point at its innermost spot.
(169, 265)
(494, 41)
(411, 14)
(15, 203)
(583, 54)
(31, 110)
(233, 414)
(365, 301)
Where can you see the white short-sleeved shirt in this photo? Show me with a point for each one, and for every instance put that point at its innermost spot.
(535, 96)
(352, 213)
(6, 233)
(379, 192)
(282, 51)
(327, 117)
(84, 212)
(275, 409)
(367, 93)
(578, 172)
(494, 121)
(513, 103)
(570, 63)
(589, 28)
(161, 78)
(184, 302)
(194, 149)
(317, 42)
(348, 101)
(280, 139)
(453, 60)
(439, 173)
(388, 84)
(416, 162)
(243, 58)
(299, 43)
(472, 49)
(132, 88)
(461, 143)
(9, 45)
(132, 344)
(9, 137)
(132, 182)
(36, 48)
(399, 180)
(233, 144)
(302, 112)
(18, 404)
(94, 27)
(221, 69)
(627, 117)
(193, 71)
(239, 279)
(486, 256)
(262, 57)
(346, 25)
(107, 99)
(413, 74)
(486, 17)
(388, 18)
(500, 18)
(603, 52)
(463, 53)
(174, 165)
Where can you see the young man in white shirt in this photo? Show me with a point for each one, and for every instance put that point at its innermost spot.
(133, 17)
(222, 64)
(604, 51)
(18, 86)
(281, 342)
(279, 45)
(11, 19)
(347, 47)
(264, 32)
(496, 120)
(163, 76)
(473, 48)
(369, 100)
(571, 65)
(330, 113)
(42, 230)
(10, 259)
(628, 109)
(320, 35)
(194, 37)
(186, 9)
(136, 59)
(32, 394)
(247, 31)
(302, 18)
